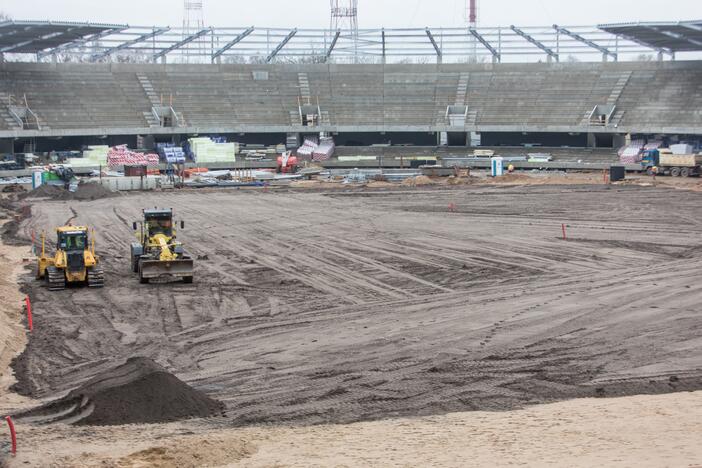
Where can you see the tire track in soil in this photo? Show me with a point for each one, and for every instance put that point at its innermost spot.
(313, 308)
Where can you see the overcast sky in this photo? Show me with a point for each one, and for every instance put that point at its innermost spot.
(372, 13)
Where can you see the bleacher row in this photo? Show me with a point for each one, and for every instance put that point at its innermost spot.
(79, 96)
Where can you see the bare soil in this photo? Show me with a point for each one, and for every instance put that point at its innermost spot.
(343, 306)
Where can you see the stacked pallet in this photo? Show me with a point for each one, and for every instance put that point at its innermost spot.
(631, 154)
(170, 153)
(121, 156)
(209, 150)
(324, 150)
(308, 147)
(93, 156)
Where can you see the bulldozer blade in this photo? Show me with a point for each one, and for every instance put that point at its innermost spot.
(166, 269)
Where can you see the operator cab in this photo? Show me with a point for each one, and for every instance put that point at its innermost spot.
(72, 240)
(159, 222)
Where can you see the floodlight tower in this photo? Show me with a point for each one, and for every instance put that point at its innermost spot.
(472, 24)
(193, 22)
(344, 18)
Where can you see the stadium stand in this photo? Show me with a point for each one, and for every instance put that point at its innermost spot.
(70, 99)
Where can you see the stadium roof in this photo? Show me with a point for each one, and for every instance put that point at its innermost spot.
(35, 36)
(681, 36)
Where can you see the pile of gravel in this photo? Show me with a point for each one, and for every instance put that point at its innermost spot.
(138, 391)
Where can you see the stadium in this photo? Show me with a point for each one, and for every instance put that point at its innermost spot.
(268, 246)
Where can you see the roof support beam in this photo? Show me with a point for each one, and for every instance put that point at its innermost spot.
(12, 47)
(677, 36)
(694, 27)
(280, 46)
(660, 50)
(382, 37)
(232, 43)
(551, 54)
(436, 46)
(180, 44)
(486, 44)
(78, 42)
(332, 45)
(127, 44)
(588, 42)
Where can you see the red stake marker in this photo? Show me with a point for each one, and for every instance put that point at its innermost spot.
(13, 435)
(564, 231)
(28, 305)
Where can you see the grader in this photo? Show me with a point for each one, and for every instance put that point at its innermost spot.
(158, 255)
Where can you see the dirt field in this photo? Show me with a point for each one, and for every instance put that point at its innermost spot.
(642, 431)
(360, 305)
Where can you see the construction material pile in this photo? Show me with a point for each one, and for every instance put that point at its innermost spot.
(211, 150)
(138, 391)
(317, 151)
(170, 153)
(631, 153)
(121, 155)
(308, 147)
(325, 150)
(93, 156)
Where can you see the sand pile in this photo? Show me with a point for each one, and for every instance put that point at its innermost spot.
(417, 181)
(86, 191)
(138, 391)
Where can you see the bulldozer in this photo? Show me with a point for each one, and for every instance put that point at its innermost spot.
(158, 255)
(73, 262)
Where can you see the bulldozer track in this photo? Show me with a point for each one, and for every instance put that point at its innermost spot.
(96, 277)
(56, 279)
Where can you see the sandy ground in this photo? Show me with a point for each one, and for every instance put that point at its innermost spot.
(12, 331)
(642, 431)
(356, 305)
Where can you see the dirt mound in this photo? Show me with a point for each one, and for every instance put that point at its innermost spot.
(417, 181)
(13, 188)
(138, 391)
(86, 191)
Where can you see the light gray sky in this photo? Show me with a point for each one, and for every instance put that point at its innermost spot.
(372, 13)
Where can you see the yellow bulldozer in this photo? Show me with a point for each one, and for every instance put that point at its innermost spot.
(158, 255)
(74, 261)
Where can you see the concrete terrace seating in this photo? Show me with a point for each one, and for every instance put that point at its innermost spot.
(670, 96)
(648, 95)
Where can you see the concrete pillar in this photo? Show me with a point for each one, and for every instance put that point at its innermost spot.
(618, 141)
(591, 140)
(163, 59)
(660, 55)
(2, 57)
(604, 57)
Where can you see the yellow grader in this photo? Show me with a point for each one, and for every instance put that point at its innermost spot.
(158, 255)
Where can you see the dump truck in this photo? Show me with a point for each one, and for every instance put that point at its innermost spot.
(74, 261)
(667, 163)
(158, 255)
